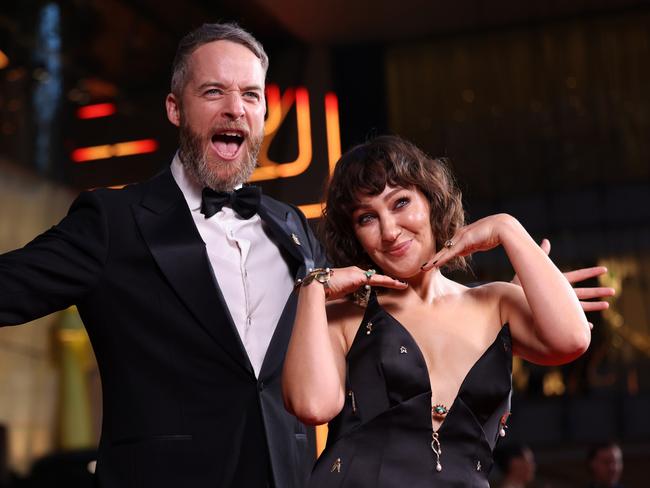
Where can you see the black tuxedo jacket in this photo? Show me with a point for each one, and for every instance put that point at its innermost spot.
(182, 406)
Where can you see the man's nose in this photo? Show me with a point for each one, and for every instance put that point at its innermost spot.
(233, 105)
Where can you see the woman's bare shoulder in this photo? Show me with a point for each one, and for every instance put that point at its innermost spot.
(487, 299)
(493, 290)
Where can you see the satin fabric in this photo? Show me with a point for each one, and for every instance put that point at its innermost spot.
(382, 437)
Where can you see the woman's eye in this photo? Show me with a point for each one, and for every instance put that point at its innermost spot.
(364, 219)
(401, 202)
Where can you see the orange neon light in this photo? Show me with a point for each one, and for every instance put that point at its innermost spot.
(272, 109)
(312, 210)
(120, 149)
(321, 438)
(4, 60)
(278, 109)
(96, 111)
(333, 130)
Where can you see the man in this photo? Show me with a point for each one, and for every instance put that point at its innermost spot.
(517, 465)
(188, 304)
(606, 465)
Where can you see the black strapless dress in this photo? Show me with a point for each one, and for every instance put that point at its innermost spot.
(382, 437)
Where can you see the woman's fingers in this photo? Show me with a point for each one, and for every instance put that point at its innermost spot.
(387, 282)
(451, 248)
(344, 281)
(481, 235)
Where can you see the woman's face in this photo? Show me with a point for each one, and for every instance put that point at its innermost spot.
(395, 230)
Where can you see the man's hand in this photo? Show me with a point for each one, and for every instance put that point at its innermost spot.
(583, 293)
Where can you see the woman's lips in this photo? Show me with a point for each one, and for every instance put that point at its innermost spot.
(400, 249)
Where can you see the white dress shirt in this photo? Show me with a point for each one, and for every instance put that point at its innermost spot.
(250, 271)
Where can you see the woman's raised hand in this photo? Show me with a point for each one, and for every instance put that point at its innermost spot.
(344, 281)
(481, 235)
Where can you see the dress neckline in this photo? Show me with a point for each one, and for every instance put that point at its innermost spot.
(374, 303)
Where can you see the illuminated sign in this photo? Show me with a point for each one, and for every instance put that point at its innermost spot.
(4, 60)
(96, 111)
(127, 148)
(279, 106)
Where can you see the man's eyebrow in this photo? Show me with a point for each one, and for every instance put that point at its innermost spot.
(217, 84)
(209, 84)
(253, 88)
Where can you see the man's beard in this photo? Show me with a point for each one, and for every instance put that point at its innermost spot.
(194, 156)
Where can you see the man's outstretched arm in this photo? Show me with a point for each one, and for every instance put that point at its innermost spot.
(58, 267)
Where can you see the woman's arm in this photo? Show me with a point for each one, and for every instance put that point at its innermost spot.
(313, 379)
(546, 320)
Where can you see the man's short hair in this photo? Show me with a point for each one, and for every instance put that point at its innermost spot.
(210, 33)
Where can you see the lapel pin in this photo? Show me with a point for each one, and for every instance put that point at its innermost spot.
(295, 239)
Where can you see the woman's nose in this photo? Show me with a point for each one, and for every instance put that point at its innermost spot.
(390, 230)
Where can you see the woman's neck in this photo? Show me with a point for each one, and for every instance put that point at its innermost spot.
(428, 286)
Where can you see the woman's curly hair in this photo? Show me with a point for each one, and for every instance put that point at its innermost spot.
(366, 170)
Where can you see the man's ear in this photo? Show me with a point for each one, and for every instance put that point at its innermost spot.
(173, 107)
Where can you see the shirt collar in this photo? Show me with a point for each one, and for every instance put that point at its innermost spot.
(191, 189)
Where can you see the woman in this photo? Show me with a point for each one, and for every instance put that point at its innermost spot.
(415, 377)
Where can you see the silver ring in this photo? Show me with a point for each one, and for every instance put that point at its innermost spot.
(448, 243)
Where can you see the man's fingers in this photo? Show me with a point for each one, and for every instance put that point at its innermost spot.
(594, 306)
(598, 292)
(546, 246)
(584, 273)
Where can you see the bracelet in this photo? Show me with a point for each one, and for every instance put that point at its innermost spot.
(322, 275)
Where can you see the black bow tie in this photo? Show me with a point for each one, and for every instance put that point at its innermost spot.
(244, 201)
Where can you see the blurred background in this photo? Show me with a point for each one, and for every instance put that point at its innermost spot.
(543, 108)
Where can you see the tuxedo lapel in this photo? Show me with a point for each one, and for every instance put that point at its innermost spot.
(176, 245)
(291, 236)
(288, 232)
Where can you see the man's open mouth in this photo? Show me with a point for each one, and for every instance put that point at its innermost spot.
(228, 142)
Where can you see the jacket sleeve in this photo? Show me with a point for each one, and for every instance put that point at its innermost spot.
(58, 268)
